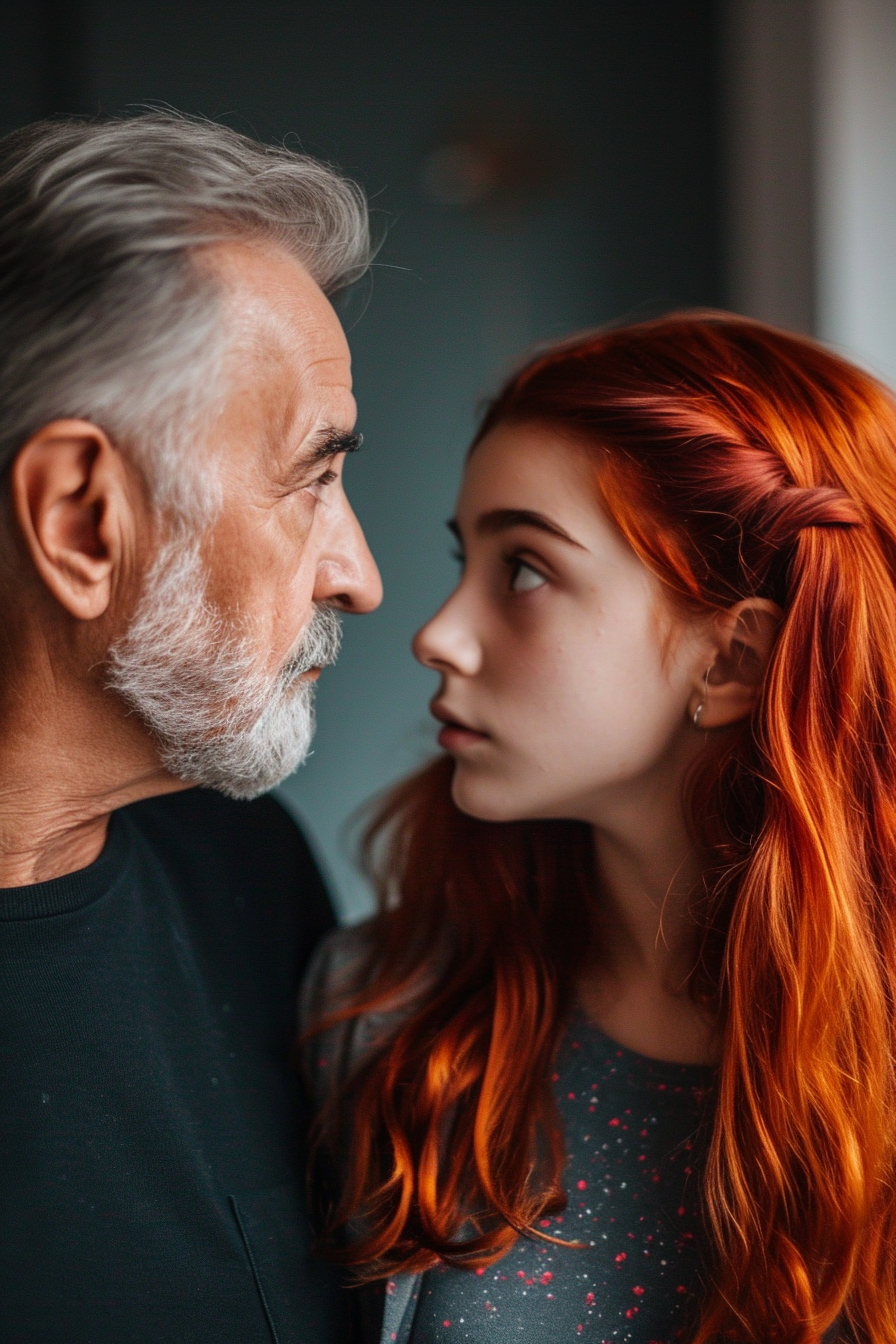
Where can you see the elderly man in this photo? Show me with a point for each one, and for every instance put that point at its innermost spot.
(175, 547)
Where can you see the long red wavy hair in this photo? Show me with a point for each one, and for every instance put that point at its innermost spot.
(738, 461)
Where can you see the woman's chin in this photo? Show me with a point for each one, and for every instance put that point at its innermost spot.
(490, 799)
(484, 799)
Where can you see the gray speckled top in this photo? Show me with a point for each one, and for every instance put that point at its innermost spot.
(631, 1131)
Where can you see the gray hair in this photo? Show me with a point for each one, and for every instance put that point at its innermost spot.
(103, 314)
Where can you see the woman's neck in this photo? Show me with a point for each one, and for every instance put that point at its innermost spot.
(636, 987)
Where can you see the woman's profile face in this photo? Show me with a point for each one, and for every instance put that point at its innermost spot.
(565, 673)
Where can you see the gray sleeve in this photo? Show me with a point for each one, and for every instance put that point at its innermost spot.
(332, 976)
(329, 1056)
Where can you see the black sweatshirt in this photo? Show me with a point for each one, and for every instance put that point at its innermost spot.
(151, 1152)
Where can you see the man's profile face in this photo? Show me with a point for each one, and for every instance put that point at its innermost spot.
(235, 621)
(286, 536)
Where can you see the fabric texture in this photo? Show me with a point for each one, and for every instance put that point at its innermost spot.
(635, 1135)
(152, 1153)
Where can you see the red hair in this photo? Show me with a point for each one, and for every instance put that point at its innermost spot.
(738, 461)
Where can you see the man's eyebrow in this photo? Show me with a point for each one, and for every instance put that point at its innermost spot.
(329, 442)
(496, 521)
(324, 444)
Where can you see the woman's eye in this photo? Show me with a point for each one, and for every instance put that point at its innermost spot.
(523, 578)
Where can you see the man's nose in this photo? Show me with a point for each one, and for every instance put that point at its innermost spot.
(347, 574)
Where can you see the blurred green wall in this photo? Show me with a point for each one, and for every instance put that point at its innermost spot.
(626, 91)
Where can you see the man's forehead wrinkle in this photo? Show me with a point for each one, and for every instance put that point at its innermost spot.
(305, 375)
(284, 318)
(340, 363)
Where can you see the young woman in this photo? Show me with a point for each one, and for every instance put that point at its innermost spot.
(615, 1061)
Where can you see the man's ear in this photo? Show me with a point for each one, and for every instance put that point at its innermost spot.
(70, 498)
(729, 686)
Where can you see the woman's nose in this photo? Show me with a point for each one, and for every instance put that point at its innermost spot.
(448, 643)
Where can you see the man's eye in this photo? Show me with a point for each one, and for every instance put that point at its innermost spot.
(523, 578)
(327, 478)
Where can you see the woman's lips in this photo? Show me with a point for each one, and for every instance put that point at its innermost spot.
(455, 736)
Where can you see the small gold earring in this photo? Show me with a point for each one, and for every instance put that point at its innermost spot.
(695, 717)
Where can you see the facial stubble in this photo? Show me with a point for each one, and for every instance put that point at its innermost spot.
(195, 681)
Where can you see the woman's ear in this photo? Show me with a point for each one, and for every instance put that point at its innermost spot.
(729, 687)
(69, 496)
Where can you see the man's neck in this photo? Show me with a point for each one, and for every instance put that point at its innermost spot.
(68, 759)
(42, 853)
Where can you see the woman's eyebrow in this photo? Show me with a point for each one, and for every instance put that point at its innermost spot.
(497, 521)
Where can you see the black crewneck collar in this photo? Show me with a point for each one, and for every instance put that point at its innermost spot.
(72, 891)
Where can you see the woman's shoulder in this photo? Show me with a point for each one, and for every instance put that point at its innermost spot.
(345, 963)
(335, 974)
(336, 971)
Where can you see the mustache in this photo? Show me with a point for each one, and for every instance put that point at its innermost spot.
(318, 646)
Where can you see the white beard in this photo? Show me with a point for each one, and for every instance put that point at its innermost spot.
(194, 682)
